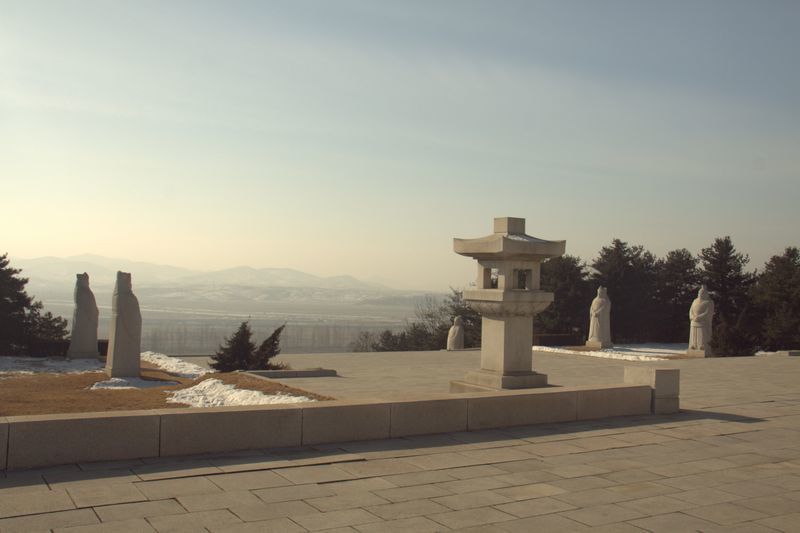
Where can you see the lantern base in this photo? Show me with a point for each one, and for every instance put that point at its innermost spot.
(482, 380)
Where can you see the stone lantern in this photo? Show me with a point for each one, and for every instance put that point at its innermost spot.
(507, 297)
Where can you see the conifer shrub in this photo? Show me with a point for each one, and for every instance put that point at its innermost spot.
(239, 352)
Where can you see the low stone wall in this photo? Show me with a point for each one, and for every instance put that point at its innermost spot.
(38, 441)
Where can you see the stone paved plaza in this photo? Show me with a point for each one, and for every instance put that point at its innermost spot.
(729, 462)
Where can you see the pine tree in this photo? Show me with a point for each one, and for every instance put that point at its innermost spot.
(237, 353)
(567, 279)
(628, 272)
(22, 322)
(777, 296)
(262, 359)
(723, 273)
(13, 303)
(677, 279)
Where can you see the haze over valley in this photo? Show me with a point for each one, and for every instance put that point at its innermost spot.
(186, 311)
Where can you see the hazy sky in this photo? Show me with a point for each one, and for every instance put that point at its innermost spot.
(360, 137)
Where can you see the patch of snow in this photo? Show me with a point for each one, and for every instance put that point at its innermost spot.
(215, 393)
(43, 365)
(130, 383)
(526, 238)
(174, 365)
(630, 352)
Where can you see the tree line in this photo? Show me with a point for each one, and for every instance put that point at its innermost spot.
(23, 323)
(651, 296)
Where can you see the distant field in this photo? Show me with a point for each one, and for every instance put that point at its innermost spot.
(311, 327)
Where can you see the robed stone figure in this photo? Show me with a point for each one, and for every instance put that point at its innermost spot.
(83, 339)
(125, 338)
(701, 314)
(600, 321)
(455, 337)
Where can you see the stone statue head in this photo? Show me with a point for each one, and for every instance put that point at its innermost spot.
(123, 282)
(83, 280)
(602, 292)
(457, 321)
(702, 293)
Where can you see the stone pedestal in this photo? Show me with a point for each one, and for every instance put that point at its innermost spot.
(698, 353)
(507, 298)
(597, 345)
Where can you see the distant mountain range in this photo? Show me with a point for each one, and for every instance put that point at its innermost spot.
(56, 272)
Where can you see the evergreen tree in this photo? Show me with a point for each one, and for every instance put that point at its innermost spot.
(677, 279)
(567, 279)
(267, 351)
(22, 322)
(389, 342)
(237, 353)
(723, 273)
(364, 342)
(14, 302)
(628, 272)
(777, 297)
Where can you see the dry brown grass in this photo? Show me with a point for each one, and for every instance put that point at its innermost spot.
(40, 394)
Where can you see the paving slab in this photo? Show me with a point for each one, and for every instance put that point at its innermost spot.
(250, 512)
(552, 522)
(407, 509)
(535, 507)
(296, 492)
(19, 503)
(133, 525)
(600, 515)
(726, 514)
(48, 521)
(417, 524)
(126, 511)
(172, 488)
(278, 525)
(471, 517)
(347, 517)
(193, 522)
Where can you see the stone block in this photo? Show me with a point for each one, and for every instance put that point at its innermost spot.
(666, 406)
(428, 416)
(340, 421)
(613, 401)
(3, 442)
(665, 382)
(629, 401)
(46, 440)
(520, 409)
(227, 429)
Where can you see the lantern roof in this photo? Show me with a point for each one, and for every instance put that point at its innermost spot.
(509, 242)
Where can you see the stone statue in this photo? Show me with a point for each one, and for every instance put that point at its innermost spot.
(83, 340)
(455, 337)
(701, 314)
(600, 321)
(125, 338)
